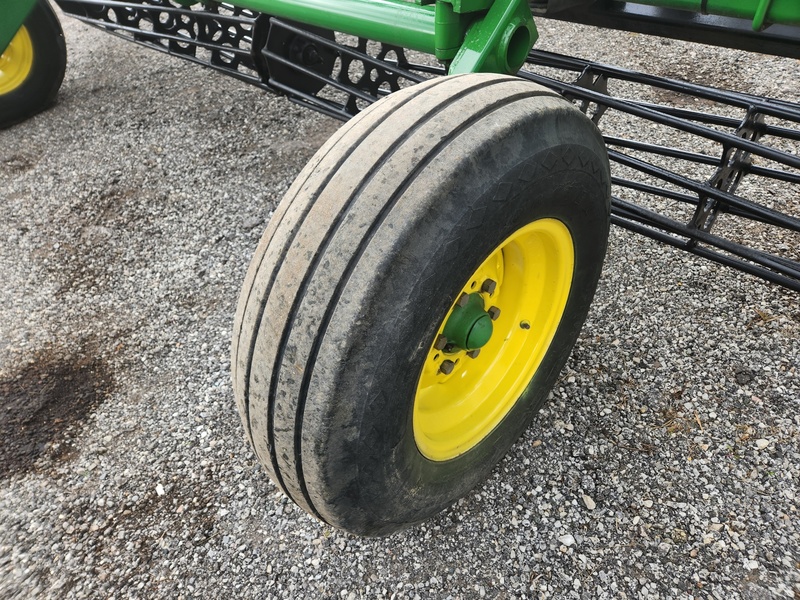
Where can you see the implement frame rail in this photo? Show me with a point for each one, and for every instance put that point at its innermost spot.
(347, 73)
(692, 26)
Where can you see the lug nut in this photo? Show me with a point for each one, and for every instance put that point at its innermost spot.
(474, 353)
(494, 312)
(463, 299)
(447, 367)
(440, 342)
(489, 286)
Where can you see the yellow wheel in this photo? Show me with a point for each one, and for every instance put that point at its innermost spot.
(416, 294)
(32, 66)
(16, 62)
(493, 339)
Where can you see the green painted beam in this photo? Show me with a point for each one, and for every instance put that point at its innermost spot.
(760, 12)
(12, 15)
(396, 22)
(495, 40)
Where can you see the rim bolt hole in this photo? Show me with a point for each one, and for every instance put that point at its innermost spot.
(524, 325)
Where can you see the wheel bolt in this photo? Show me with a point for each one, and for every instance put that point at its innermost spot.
(463, 299)
(494, 312)
(474, 353)
(440, 343)
(489, 286)
(447, 367)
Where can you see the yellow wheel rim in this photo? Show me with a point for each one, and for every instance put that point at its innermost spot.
(16, 62)
(528, 278)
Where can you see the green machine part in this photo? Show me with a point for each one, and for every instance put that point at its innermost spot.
(12, 15)
(469, 35)
(760, 12)
(478, 35)
(395, 22)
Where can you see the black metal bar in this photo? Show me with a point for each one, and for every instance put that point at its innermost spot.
(588, 84)
(747, 207)
(791, 282)
(694, 157)
(314, 102)
(689, 199)
(69, 5)
(663, 119)
(155, 35)
(245, 77)
(703, 159)
(784, 267)
(712, 119)
(767, 106)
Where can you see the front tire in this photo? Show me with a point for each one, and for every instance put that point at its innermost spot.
(337, 346)
(32, 67)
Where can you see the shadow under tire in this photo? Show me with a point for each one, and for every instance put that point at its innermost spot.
(336, 361)
(32, 67)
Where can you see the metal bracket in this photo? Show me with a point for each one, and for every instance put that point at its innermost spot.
(734, 164)
(499, 42)
(597, 83)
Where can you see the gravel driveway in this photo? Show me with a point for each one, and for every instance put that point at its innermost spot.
(666, 465)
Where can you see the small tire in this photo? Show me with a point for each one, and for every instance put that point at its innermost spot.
(32, 67)
(367, 254)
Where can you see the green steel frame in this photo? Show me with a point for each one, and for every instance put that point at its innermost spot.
(760, 12)
(468, 35)
(472, 35)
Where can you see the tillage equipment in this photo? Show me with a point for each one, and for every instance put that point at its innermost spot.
(422, 283)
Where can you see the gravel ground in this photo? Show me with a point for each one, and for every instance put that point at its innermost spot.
(666, 465)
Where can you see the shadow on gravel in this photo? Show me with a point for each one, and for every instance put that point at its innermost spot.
(44, 404)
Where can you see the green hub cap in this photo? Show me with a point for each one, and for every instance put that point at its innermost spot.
(470, 326)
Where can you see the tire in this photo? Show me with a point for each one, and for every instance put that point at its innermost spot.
(338, 333)
(32, 67)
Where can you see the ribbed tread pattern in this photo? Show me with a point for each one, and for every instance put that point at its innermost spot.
(314, 241)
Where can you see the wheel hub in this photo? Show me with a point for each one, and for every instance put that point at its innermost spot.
(469, 327)
(481, 362)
